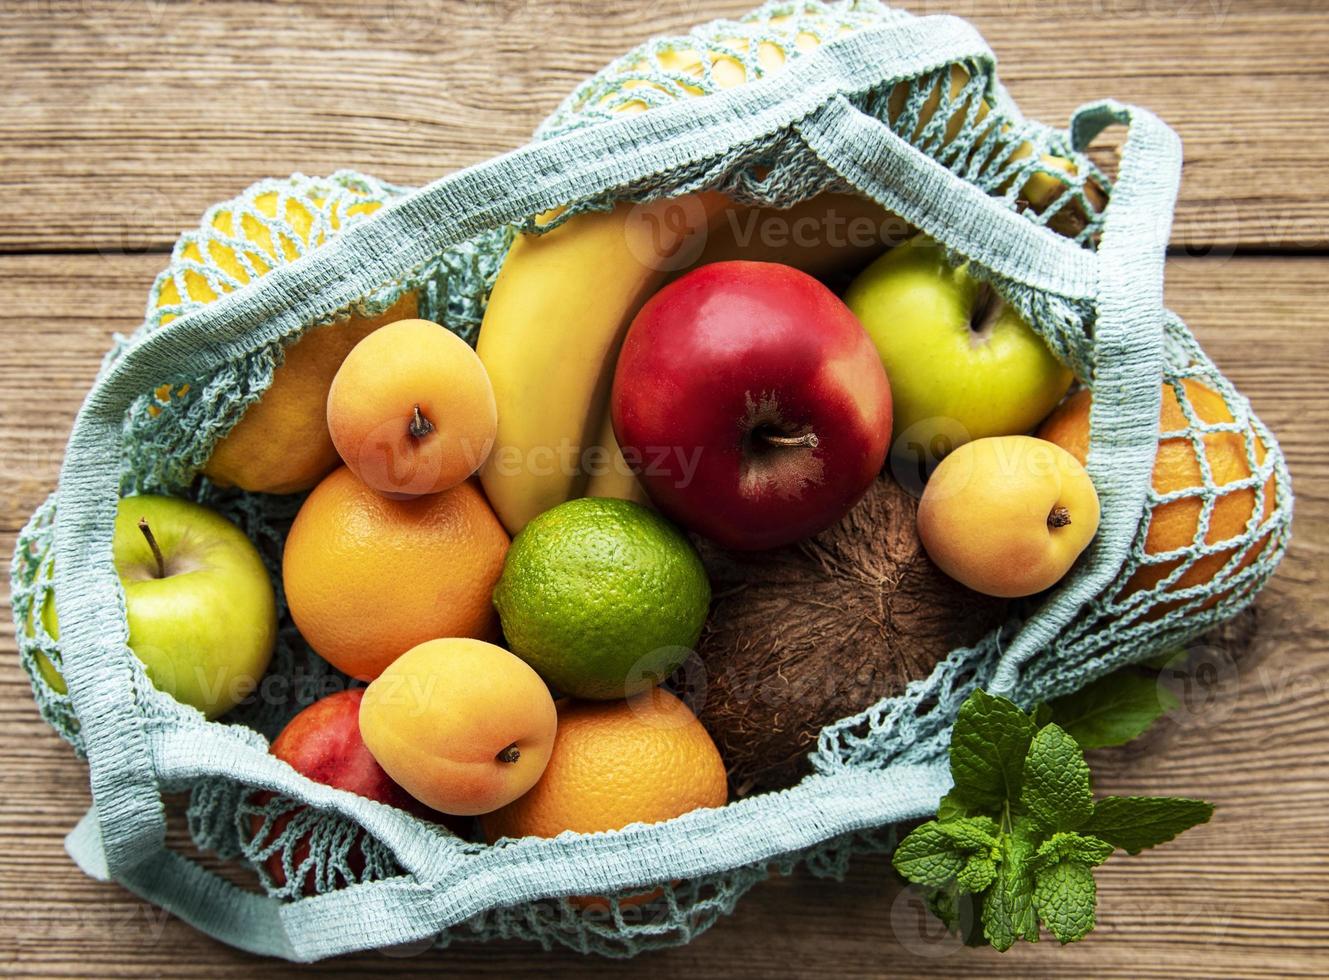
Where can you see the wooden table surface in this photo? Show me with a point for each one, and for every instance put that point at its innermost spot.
(121, 121)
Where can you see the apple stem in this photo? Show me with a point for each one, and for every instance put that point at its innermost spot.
(987, 307)
(420, 426)
(1059, 517)
(808, 439)
(152, 543)
(510, 754)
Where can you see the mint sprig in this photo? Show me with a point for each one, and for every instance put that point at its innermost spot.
(1020, 833)
(1113, 710)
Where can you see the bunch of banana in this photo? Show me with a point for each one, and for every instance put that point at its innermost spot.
(565, 298)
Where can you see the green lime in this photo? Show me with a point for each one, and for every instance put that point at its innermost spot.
(604, 598)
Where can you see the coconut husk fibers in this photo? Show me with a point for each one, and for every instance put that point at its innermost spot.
(802, 636)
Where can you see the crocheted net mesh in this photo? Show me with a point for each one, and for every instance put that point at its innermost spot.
(170, 432)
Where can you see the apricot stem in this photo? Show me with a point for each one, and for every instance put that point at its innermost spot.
(510, 754)
(1059, 517)
(152, 543)
(808, 439)
(420, 426)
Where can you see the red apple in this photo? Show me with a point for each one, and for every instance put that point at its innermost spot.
(751, 403)
(323, 742)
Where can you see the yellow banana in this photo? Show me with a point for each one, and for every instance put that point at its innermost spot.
(610, 475)
(550, 337)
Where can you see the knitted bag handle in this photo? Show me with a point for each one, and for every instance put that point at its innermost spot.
(1128, 359)
(1124, 278)
(123, 836)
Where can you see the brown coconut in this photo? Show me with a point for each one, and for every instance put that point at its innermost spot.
(802, 636)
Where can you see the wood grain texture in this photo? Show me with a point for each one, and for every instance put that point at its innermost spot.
(122, 121)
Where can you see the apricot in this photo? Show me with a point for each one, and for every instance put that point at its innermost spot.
(1008, 515)
(411, 409)
(462, 725)
(281, 444)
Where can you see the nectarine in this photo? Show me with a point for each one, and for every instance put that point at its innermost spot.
(323, 742)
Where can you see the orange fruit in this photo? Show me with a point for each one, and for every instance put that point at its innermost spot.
(368, 578)
(411, 410)
(1174, 525)
(642, 760)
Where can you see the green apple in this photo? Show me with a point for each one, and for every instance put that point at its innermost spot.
(202, 614)
(962, 364)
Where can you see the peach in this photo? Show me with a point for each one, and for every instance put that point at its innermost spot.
(464, 726)
(1008, 515)
(323, 742)
(411, 410)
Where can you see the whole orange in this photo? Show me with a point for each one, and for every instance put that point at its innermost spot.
(368, 578)
(411, 410)
(1175, 525)
(642, 760)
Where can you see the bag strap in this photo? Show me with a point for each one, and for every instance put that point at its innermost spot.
(408, 909)
(172, 882)
(577, 165)
(128, 811)
(1128, 362)
(903, 179)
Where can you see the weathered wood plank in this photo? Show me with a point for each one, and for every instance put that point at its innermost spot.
(1247, 895)
(123, 122)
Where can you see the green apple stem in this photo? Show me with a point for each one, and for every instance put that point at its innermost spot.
(987, 307)
(1059, 517)
(510, 754)
(420, 426)
(807, 439)
(152, 543)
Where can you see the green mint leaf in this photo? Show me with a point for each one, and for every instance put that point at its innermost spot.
(971, 834)
(960, 913)
(1076, 848)
(979, 872)
(1136, 822)
(950, 807)
(1113, 710)
(1043, 714)
(928, 856)
(988, 747)
(1166, 659)
(1065, 896)
(1008, 904)
(941, 902)
(1056, 791)
(977, 839)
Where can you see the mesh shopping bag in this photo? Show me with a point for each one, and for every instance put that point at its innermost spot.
(796, 99)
